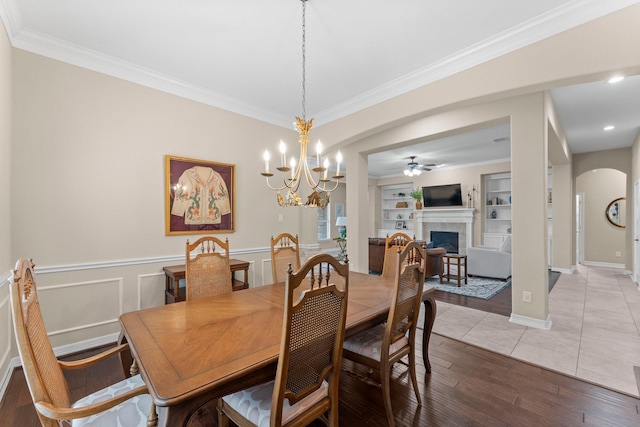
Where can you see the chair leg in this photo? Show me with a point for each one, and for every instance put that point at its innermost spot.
(412, 372)
(152, 419)
(223, 419)
(385, 379)
(133, 370)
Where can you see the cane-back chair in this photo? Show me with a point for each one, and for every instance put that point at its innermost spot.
(208, 271)
(284, 251)
(397, 240)
(381, 346)
(306, 382)
(126, 403)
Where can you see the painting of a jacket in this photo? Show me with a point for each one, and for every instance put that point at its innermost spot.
(201, 196)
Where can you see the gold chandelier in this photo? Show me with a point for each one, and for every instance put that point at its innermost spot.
(300, 169)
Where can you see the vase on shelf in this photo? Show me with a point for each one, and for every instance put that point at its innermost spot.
(418, 205)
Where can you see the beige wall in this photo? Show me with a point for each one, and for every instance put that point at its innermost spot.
(88, 154)
(6, 261)
(602, 239)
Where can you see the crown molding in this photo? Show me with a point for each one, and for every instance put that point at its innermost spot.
(554, 22)
(551, 23)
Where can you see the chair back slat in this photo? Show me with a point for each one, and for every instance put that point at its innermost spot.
(44, 375)
(208, 269)
(313, 331)
(405, 307)
(392, 244)
(284, 251)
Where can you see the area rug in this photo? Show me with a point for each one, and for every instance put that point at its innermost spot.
(477, 287)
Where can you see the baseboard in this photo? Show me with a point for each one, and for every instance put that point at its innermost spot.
(531, 322)
(13, 364)
(602, 264)
(563, 270)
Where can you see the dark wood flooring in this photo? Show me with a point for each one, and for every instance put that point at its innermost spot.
(468, 386)
(499, 304)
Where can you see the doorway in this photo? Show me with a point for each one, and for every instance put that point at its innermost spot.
(579, 228)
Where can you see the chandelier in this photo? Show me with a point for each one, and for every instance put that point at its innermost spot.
(321, 186)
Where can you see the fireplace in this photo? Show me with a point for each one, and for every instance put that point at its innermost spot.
(455, 220)
(445, 239)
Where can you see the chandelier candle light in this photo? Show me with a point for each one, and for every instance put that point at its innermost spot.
(322, 186)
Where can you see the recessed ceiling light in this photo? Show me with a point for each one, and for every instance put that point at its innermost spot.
(610, 127)
(616, 79)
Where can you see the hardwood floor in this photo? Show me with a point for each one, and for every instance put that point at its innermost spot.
(499, 304)
(467, 386)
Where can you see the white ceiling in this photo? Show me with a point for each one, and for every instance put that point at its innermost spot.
(245, 56)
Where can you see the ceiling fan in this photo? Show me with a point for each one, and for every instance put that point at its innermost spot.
(415, 169)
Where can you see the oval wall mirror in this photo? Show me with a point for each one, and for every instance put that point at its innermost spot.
(615, 212)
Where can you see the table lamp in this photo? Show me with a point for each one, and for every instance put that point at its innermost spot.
(341, 222)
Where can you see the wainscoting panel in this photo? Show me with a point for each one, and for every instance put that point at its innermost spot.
(151, 290)
(92, 304)
(267, 272)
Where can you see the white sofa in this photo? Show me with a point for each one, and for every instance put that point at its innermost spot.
(490, 262)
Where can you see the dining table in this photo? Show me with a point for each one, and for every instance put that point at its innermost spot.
(193, 352)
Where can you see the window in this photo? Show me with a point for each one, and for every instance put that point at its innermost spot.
(324, 222)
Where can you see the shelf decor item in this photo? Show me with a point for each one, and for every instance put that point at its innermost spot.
(417, 194)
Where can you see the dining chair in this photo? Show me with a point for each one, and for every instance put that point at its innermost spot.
(381, 346)
(126, 403)
(397, 240)
(284, 251)
(208, 271)
(306, 381)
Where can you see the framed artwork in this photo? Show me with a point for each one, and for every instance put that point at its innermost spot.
(200, 196)
(399, 225)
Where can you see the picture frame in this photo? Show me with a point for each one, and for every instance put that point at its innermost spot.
(200, 196)
(399, 225)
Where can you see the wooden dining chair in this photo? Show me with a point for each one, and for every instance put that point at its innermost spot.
(306, 382)
(397, 240)
(126, 403)
(381, 346)
(208, 271)
(284, 251)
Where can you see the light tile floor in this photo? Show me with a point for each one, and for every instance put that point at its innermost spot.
(595, 333)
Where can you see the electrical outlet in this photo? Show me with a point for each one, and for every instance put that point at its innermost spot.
(280, 217)
(526, 296)
(618, 254)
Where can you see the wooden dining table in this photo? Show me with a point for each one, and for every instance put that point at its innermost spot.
(193, 352)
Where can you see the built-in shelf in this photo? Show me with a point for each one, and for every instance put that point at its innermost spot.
(496, 209)
(395, 219)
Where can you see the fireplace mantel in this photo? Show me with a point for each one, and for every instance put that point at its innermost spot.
(457, 219)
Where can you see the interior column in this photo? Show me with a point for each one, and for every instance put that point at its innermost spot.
(529, 154)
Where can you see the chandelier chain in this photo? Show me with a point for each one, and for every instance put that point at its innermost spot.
(300, 169)
(304, 62)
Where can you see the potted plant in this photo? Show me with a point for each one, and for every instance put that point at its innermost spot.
(417, 194)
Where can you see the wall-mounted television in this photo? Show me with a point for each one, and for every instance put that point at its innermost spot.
(442, 195)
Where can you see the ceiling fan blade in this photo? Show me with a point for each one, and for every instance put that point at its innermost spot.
(429, 164)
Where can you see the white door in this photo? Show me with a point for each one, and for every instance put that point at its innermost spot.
(579, 228)
(636, 231)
